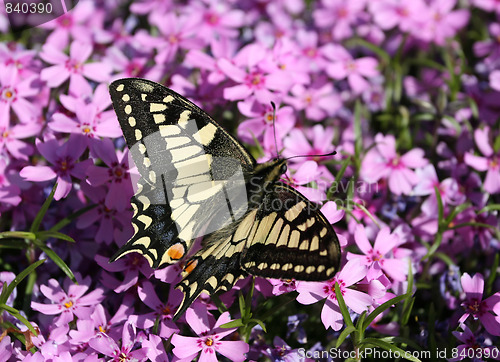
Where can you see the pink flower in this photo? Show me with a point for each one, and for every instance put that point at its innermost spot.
(311, 292)
(92, 118)
(448, 189)
(407, 15)
(383, 161)
(251, 79)
(495, 80)
(319, 102)
(10, 139)
(209, 340)
(73, 67)
(106, 345)
(489, 163)
(379, 257)
(162, 311)
(443, 23)
(64, 164)
(339, 15)
(307, 172)
(487, 310)
(472, 345)
(262, 124)
(343, 65)
(488, 5)
(13, 94)
(72, 23)
(70, 304)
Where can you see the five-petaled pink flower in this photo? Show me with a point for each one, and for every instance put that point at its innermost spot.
(383, 161)
(70, 304)
(209, 340)
(378, 258)
(358, 301)
(487, 310)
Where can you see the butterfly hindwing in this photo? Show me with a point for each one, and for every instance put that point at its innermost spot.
(185, 160)
(294, 239)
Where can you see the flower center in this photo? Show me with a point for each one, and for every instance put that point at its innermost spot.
(211, 18)
(209, 341)
(166, 310)
(494, 163)
(68, 304)
(311, 52)
(73, 65)
(173, 39)
(474, 308)
(8, 94)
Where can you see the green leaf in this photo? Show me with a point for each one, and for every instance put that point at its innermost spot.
(382, 54)
(342, 306)
(13, 244)
(6, 291)
(44, 235)
(259, 322)
(402, 340)
(233, 324)
(15, 313)
(344, 334)
(390, 347)
(408, 303)
(381, 308)
(440, 205)
(491, 207)
(17, 235)
(218, 303)
(457, 210)
(56, 259)
(43, 210)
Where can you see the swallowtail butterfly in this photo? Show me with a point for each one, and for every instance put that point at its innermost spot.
(197, 180)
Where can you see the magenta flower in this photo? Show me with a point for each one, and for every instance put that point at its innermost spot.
(10, 137)
(297, 144)
(281, 286)
(407, 15)
(108, 346)
(13, 94)
(448, 189)
(343, 65)
(383, 161)
(70, 304)
(495, 80)
(489, 163)
(318, 102)
(312, 292)
(92, 118)
(220, 48)
(209, 340)
(216, 19)
(488, 5)
(86, 329)
(305, 173)
(176, 32)
(472, 345)
(339, 15)
(251, 79)
(64, 164)
(73, 67)
(487, 310)
(443, 23)
(115, 175)
(72, 24)
(379, 257)
(20, 61)
(162, 311)
(261, 125)
(491, 46)
(6, 348)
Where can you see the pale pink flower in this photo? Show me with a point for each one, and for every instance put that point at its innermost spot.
(383, 161)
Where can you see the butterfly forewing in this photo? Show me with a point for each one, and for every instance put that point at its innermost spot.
(191, 170)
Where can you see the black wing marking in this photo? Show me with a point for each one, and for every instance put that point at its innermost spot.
(294, 239)
(177, 149)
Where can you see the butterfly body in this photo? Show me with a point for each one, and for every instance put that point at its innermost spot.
(198, 181)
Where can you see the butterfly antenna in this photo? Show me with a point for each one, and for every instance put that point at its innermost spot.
(324, 155)
(274, 128)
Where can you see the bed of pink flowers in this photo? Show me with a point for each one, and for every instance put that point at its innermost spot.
(406, 92)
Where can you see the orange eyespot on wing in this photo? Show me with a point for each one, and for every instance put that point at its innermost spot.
(190, 266)
(176, 251)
